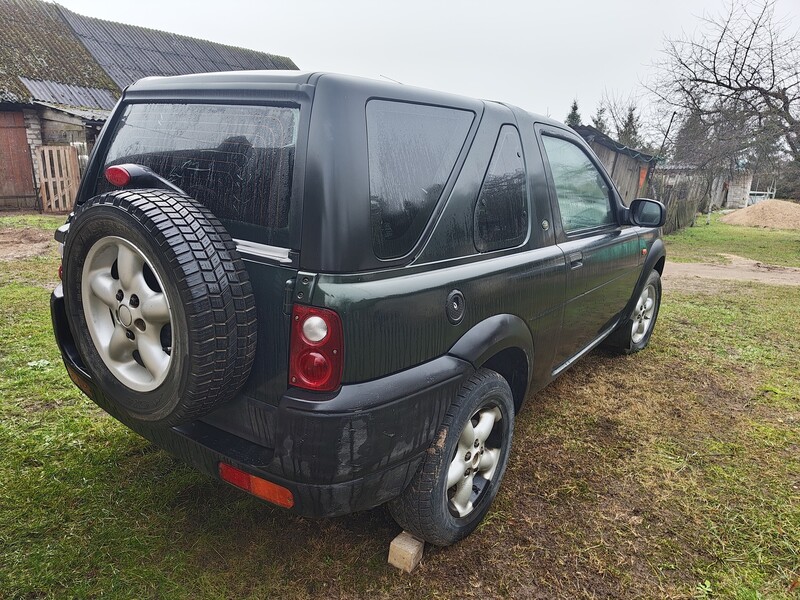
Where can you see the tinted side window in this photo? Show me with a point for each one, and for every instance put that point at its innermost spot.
(412, 151)
(236, 160)
(583, 196)
(501, 214)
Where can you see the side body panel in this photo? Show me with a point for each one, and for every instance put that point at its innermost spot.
(598, 286)
(393, 323)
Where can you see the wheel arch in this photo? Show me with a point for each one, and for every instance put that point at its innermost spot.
(659, 266)
(656, 258)
(502, 343)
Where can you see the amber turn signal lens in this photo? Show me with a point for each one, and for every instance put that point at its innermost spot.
(261, 488)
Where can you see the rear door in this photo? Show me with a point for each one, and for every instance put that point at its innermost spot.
(601, 255)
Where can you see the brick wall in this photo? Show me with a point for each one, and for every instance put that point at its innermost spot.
(33, 131)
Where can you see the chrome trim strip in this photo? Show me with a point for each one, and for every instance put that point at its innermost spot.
(571, 361)
(276, 253)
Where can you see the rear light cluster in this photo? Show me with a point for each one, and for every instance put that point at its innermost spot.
(261, 488)
(118, 176)
(317, 349)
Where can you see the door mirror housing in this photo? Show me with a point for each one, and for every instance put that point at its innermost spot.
(647, 213)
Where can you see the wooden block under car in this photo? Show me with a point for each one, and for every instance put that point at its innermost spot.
(405, 552)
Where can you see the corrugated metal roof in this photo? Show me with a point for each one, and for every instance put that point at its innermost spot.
(63, 93)
(128, 53)
(51, 54)
(87, 114)
(37, 44)
(591, 134)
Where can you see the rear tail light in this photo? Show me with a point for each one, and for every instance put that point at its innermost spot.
(118, 176)
(261, 488)
(317, 349)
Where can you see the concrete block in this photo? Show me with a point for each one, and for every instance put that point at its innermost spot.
(405, 552)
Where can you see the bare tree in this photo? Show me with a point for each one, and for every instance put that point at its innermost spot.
(626, 122)
(738, 77)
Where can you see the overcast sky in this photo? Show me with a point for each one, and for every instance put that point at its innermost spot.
(537, 55)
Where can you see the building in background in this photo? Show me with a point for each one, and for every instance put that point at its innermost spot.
(629, 168)
(60, 75)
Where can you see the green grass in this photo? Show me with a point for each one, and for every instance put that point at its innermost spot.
(707, 243)
(674, 473)
(48, 222)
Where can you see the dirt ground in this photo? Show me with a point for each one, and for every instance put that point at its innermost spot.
(773, 214)
(24, 242)
(694, 276)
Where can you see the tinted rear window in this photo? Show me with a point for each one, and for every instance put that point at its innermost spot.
(237, 160)
(412, 151)
(501, 215)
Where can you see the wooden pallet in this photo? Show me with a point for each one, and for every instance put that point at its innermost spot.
(59, 177)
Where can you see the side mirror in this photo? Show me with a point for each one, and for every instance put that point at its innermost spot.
(647, 213)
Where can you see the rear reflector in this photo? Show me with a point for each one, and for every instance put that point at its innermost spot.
(261, 488)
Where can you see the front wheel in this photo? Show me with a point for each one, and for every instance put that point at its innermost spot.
(461, 472)
(633, 333)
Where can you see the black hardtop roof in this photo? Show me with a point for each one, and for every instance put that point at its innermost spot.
(253, 81)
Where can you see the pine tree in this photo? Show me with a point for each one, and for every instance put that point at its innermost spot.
(574, 117)
(599, 120)
(628, 132)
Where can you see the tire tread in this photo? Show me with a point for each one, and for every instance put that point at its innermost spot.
(214, 285)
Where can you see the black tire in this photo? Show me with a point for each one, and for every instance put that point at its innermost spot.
(623, 340)
(426, 507)
(209, 341)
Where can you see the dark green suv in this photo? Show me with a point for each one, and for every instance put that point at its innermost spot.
(334, 293)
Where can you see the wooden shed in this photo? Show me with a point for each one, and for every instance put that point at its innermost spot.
(629, 168)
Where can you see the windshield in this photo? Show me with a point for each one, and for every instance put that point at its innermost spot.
(236, 160)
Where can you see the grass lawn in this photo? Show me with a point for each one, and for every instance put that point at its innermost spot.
(674, 473)
(707, 243)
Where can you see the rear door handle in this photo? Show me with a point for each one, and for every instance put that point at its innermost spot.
(575, 260)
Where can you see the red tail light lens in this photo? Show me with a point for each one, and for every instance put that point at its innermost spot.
(317, 349)
(118, 176)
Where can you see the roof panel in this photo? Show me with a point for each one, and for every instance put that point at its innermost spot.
(44, 42)
(89, 115)
(139, 50)
(38, 45)
(60, 93)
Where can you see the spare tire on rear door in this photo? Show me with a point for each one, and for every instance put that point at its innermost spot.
(159, 304)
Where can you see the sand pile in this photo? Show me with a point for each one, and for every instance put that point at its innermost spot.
(775, 214)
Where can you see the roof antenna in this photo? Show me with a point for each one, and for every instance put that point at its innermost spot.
(390, 79)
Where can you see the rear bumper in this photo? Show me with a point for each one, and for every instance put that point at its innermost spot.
(337, 453)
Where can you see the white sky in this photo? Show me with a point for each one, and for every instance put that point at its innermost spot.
(537, 55)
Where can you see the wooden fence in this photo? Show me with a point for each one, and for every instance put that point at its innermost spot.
(682, 194)
(59, 177)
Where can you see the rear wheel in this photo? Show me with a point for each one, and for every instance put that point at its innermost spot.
(461, 472)
(159, 304)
